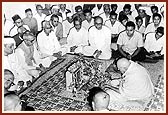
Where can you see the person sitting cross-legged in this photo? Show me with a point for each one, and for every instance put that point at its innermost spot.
(154, 44)
(130, 44)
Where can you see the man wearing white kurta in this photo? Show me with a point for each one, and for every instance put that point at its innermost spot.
(155, 41)
(78, 37)
(48, 43)
(89, 20)
(39, 16)
(99, 40)
(155, 24)
(11, 62)
(135, 83)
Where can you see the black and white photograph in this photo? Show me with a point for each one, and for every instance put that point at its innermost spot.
(104, 57)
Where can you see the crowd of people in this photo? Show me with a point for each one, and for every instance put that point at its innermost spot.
(103, 31)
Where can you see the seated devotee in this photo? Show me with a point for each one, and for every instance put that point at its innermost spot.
(79, 12)
(154, 43)
(154, 9)
(30, 21)
(142, 13)
(48, 44)
(123, 19)
(127, 11)
(55, 10)
(113, 24)
(39, 16)
(25, 52)
(106, 14)
(64, 11)
(16, 66)
(12, 102)
(19, 36)
(47, 9)
(114, 7)
(156, 23)
(67, 25)
(139, 27)
(97, 10)
(89, 20)
(8, 80)
(98, 99)
(99, 40)
(134, 86)
(77, 37)
(130, 44)
(57, 26)
(17, 23)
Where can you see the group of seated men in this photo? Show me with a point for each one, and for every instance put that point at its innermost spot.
(97, 30)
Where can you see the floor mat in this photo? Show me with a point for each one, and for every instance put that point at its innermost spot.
(49, 93)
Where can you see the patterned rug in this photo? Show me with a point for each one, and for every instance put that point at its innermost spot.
(48, 92)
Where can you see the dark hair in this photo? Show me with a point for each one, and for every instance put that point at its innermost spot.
(113, 13)
(114, 5)
(54, 16)
(122, 17)
(106, 5)
(38, 5)
(27, 10)
(157, 14)
(130, 23)
(127, 6)
(160, 30)
(138, 18)
(98, 17)
(87, 11)
(77, 18)
(154, 7)
(78, 7)
(92, 92)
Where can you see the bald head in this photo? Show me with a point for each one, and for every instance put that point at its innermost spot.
(12, 103)
(123, 64)
(101, 101)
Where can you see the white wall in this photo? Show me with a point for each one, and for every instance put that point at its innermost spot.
(10, 9)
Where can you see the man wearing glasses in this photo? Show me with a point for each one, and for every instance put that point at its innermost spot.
(99, 40)
(48, 44)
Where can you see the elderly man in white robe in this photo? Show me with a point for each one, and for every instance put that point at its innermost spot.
(99, 40)
(12, 63)
(135, 84)
(48, 45)
(78, 37)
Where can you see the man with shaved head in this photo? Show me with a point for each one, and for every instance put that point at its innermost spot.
(135, 83)
(98, 99)
(12, 102)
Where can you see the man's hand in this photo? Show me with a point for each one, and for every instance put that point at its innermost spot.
(72, 49)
